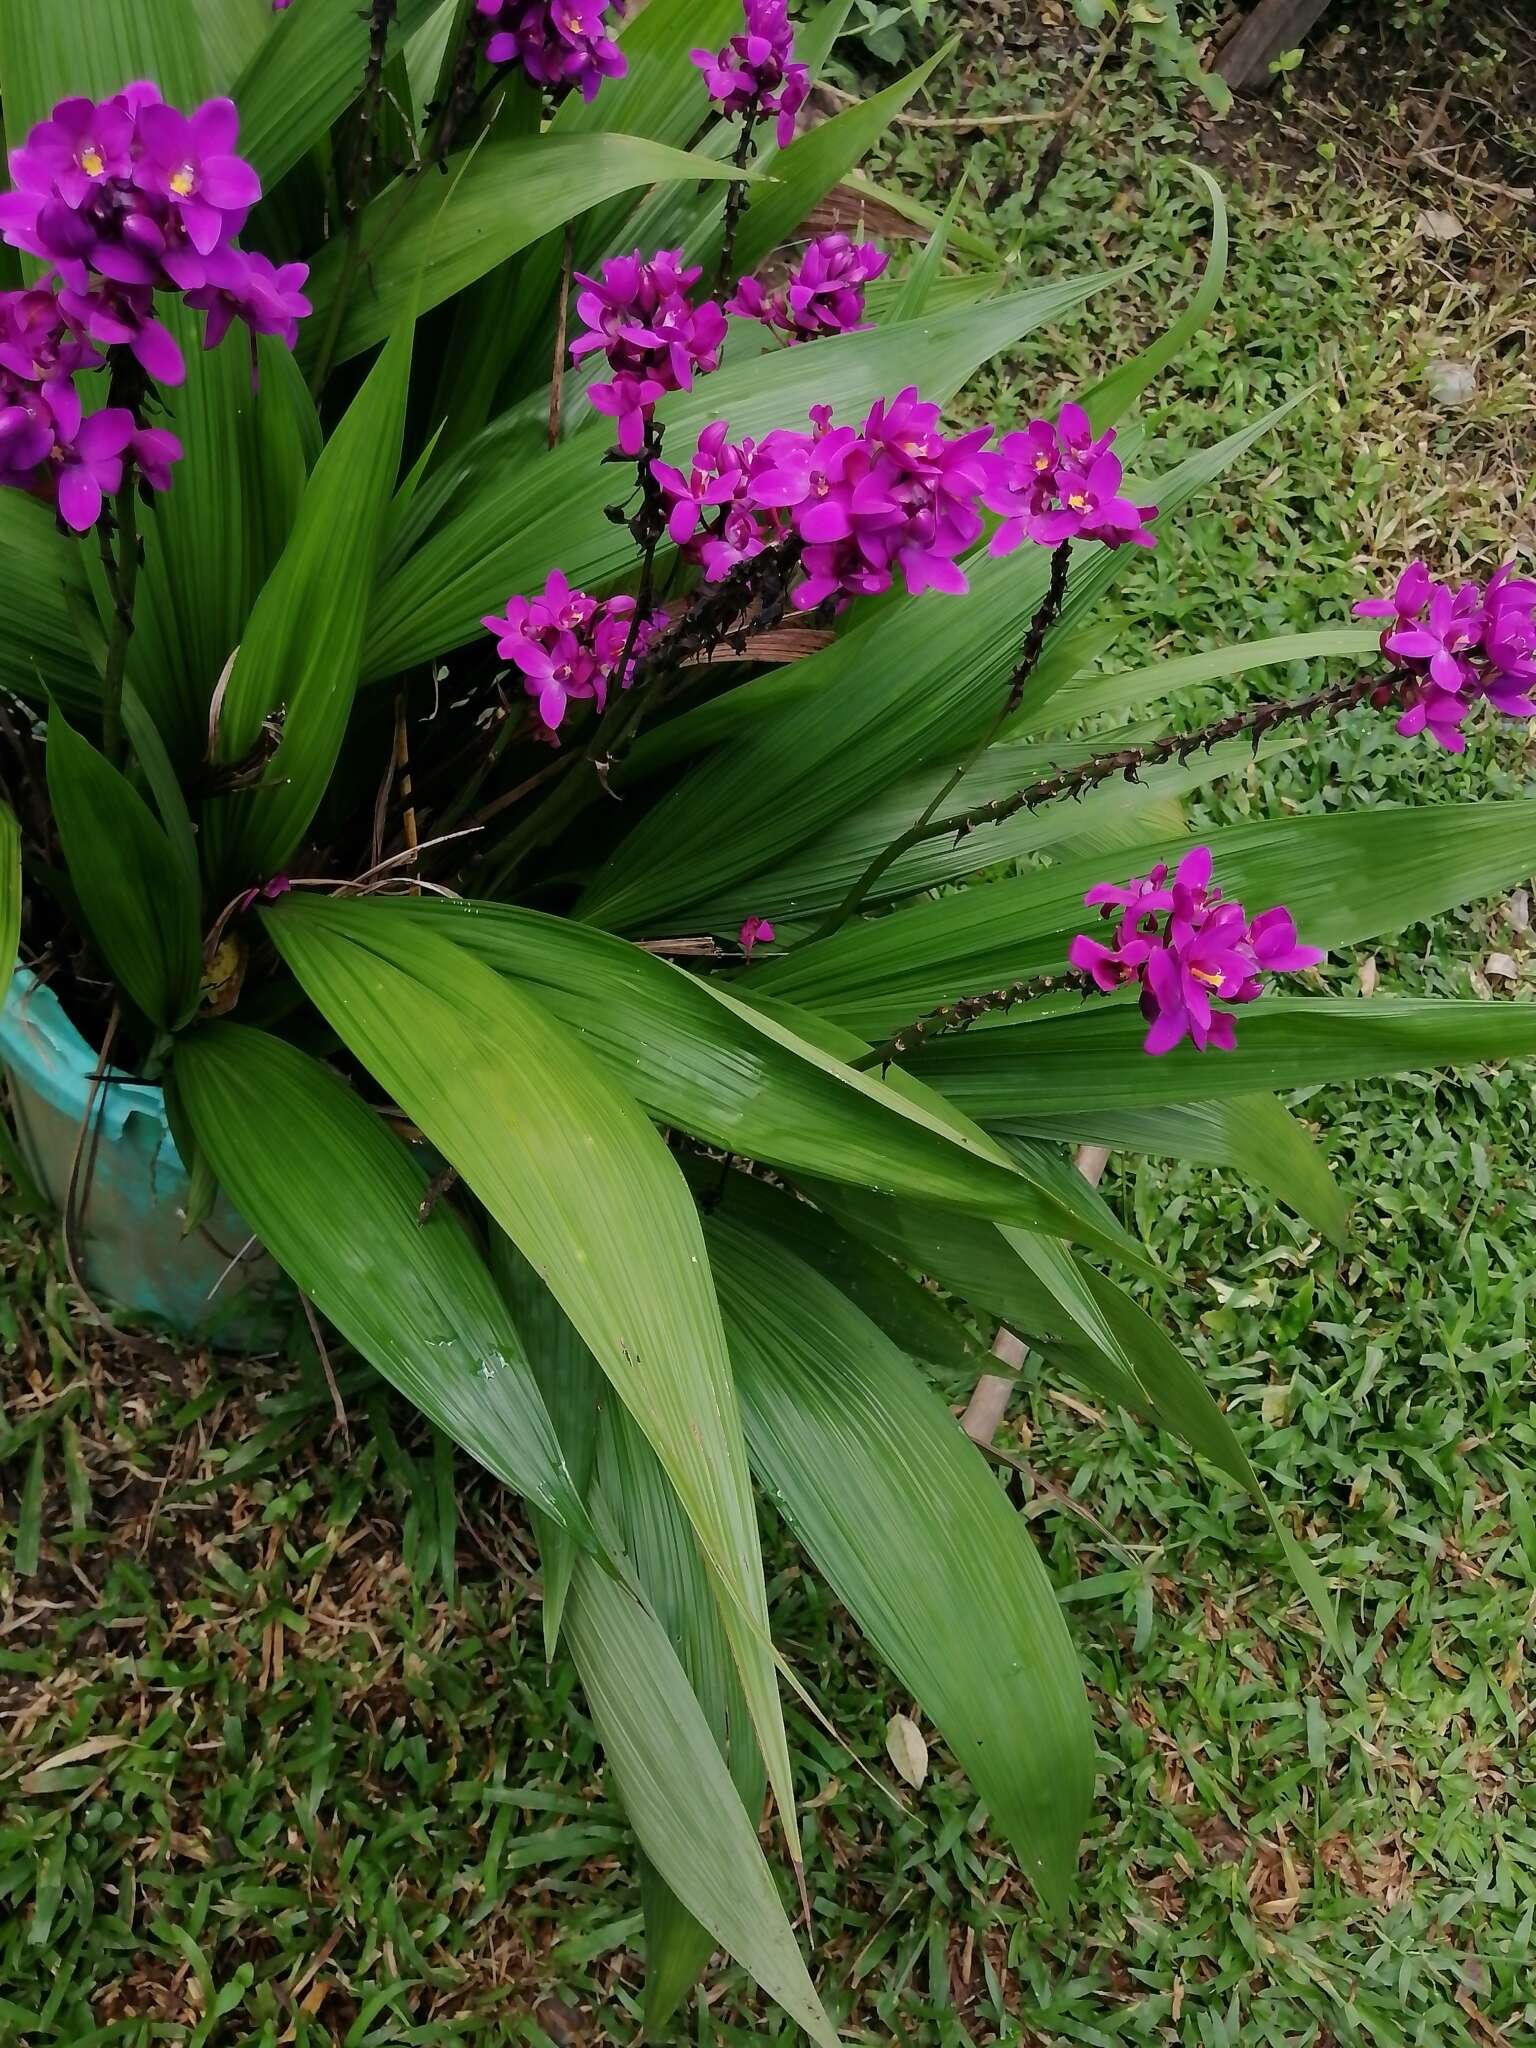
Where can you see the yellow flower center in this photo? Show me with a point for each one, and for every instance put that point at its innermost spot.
(92, 161)
(1204, 974)
(183, 181)
(1076, 500)
(1042, 461)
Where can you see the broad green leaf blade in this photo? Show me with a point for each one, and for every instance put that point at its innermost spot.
(569, 1167)
(51, 50)
(914, 1536)
(653, 1530)
(1254, 1134)
(817, 876)
(710, 1065)
(678, 1794)
(335, 1198)
(307, 71)
(1114, 395)
(302, 646)
(233, 31)
(808, 169)
(45, 603)
(10, 897)
(915, 1319)
(1094, 1062)
(495, 201)
(155, 764)
(570, 1382)
(913, 685)
(137, 898)
(502, 525)
(1344, 876)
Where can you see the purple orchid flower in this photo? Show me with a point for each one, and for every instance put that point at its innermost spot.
(562, 44)
(757, 931)
(1187, 948)
(755, 75)
(568, 646)
(824, 293)
(1454, 646)
(88, 458)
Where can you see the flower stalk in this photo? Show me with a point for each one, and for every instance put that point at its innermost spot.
(381, 18)
(1046, 615)
(960, 1015)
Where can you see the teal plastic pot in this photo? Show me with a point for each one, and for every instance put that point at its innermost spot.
(131, 1242)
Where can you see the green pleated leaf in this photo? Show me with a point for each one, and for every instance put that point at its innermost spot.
(307, 71)
(55, 49)
(699, 1060)
(806, 171)
(1255, 1134)
(644, 1513)
(134, 891)
(570, 1381)
(1344, 876)
(10, 897)
(336, 1198)
(1094, 1062)
(911, 686)
(686, 1813)
(916, 1320)
(571, 1169)
(212, 540)
(233, 31)
(45, 603)
(1138, 1367)
(494, 201)
(898, 1510)
(817, 876)
(301, 648)
(501, 525)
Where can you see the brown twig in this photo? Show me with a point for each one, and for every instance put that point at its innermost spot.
(381, 17)
(557, 368)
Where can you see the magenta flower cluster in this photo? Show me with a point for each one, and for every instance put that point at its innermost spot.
(1457, 646)
(639, 314)
(557, 42)
(1187, 948)
(823, 295)
(126, 197)
(897, 494)
(1056, 481)
(49, 447)
(755, 76)
(568, 646)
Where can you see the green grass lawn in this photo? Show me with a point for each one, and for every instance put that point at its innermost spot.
(284, 1762)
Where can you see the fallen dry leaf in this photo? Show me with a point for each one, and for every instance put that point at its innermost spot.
(1368, 975)
(1503, 966)
(906, 1748)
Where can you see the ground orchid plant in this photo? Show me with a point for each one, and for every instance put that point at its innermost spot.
(508, 641)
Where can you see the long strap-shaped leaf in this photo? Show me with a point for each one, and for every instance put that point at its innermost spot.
(570, 1382)
(650, 1524)
(678, 1794)
(1256, 1134)
(302, 646)
(137, 896)
(899, 1511)
(1344, 876)
(735, 1077)
(499, 199)
(571, 1169)
(1084, 1064)
(336, 1199)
